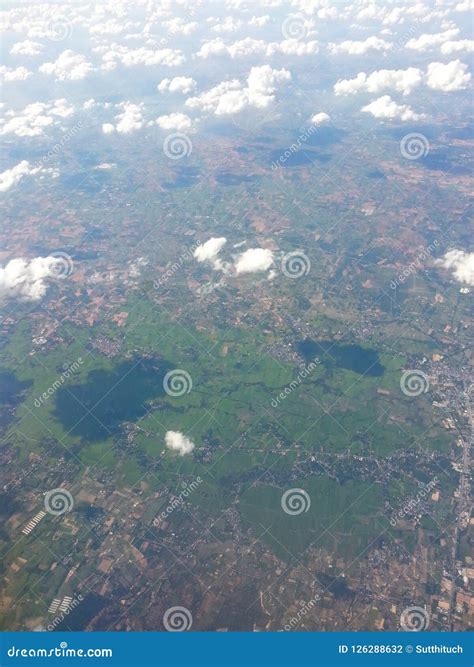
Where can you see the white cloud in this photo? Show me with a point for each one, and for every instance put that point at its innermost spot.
(384, 107)
(178, 26)
(259, 21)
(359, 48)
(208, 252)
(254, 260)
(249, 46)
(13, 176)
(34, 118)
(143, 56)
(17, 74)
(24, 280)
(429, 41)
(231, 97)
(175, 121)
(401, 80)
(229, 24)
(461, 263)
(68, 66)
(180, 84)
(450, 47)
(450, 77)
(178, 442)
(26, 48)
(320, 118)
(130, 120)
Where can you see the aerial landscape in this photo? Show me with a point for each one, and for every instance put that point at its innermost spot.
(236, 280)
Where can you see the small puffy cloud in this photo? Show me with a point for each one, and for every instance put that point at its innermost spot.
(178, 26)
(249, 46)
(13, 176)
(178, 442)
(68, 66)
(208, 252)
(258, 21)
(24, 280)
(355, 48)
(180, 84)
(429, 41)
(130, 120)
(17, 74)
(34, 118)
(26, 48)
(175, 121)
(448, 78)
(401, 80)
(254, 260)
(450, 47)
(229, 24)
(461, 263)
(230, 97)
(386, 108)
(143, 56)
(320, 118)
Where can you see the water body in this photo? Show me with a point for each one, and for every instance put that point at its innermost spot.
(96, 409)
(361, 360)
